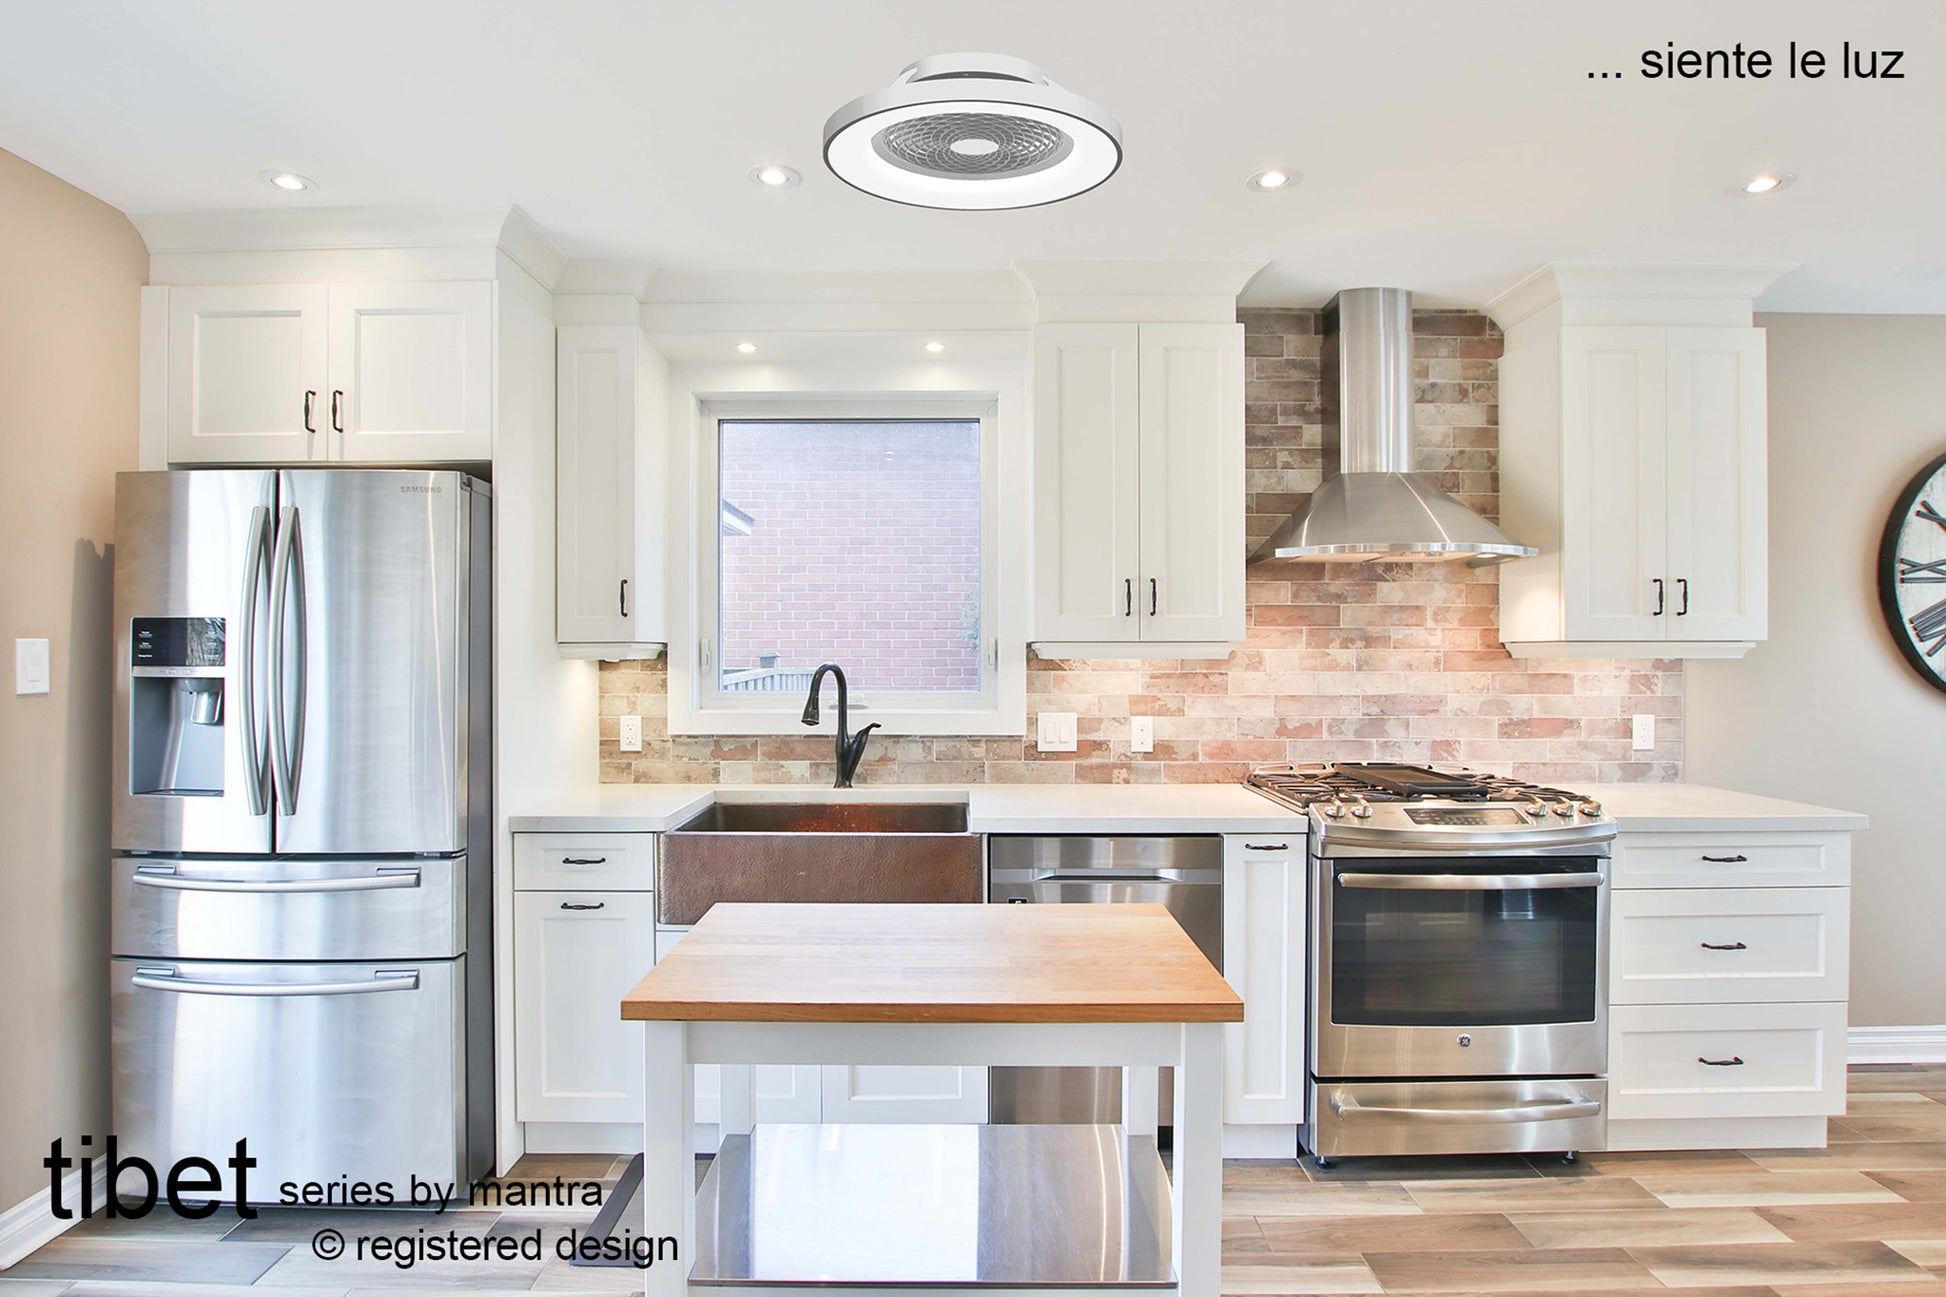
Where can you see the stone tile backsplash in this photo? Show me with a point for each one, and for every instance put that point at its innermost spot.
(1344, 662)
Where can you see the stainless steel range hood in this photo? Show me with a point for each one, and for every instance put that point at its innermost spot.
(1372, 506)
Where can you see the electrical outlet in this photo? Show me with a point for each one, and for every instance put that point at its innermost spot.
(1057, 732)
(1644, 732)
(1141, 734)
(631, 734)
(30, 666)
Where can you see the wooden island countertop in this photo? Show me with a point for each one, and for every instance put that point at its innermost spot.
(934, 963)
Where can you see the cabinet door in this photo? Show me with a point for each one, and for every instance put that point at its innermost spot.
(246, 369)
(1718, 538)
(905, 1094)
(411, 372)
(575, 955)
(1264, 942)
(1190, 585)
(1614, 467)
(594, 483)
(1086, 482)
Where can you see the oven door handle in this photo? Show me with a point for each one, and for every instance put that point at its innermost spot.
(1468, 882)
(1556, 1110)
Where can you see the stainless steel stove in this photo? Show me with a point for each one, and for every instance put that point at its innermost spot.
(1458, 960)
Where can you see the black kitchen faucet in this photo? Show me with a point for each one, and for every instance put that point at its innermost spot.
(851, 747)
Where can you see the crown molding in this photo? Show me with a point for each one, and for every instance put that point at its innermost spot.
(606, 277)
(1628, 286)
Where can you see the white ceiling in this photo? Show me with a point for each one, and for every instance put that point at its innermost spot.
(1448, 146)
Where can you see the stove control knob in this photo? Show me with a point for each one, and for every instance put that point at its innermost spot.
(1363, 810)
(1591, 808)
(1564, 810)
(1333, 809)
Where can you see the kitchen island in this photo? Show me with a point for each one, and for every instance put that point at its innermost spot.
(823, 1206)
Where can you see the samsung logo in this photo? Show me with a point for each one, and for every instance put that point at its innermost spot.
(422, 490)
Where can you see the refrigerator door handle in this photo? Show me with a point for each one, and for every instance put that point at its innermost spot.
(167, 877)
(165, 979)
(255, 758)
(286, 731)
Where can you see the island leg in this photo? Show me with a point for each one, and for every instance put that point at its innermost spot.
(668, 1165)
(1198, 1161)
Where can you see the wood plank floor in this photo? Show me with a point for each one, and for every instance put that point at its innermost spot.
(1865, 1218)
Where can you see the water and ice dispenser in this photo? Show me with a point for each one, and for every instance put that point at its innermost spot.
(177, 713)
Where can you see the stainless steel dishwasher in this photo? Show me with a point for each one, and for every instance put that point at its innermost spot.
(1185, 874)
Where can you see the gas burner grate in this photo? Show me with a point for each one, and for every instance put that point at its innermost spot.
(1377, 782)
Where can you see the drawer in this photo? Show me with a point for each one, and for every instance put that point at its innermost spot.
(1732, 860)
(583, 862)
(1771, 1060)
(1716, 946)
(1239, 847)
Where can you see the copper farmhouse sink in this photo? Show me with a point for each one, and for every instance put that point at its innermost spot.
(818, 852)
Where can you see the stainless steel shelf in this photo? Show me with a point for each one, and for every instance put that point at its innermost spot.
(1006, 1206)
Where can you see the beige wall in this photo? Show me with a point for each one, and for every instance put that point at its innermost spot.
(70, 267)
(1826, 710)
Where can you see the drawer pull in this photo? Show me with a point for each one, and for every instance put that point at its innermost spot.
(584, 860)
(1734, 945)
(1732, 1061)
(1728, 860)
(569, 905)
(1266, 846)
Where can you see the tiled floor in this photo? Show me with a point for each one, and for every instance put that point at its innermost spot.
(1864, 1218)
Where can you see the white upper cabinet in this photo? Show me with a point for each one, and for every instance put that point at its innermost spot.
(1632, 454)
(315, 373)
(610, 473)
(411, 372)
(1138, 510)
(247, 374)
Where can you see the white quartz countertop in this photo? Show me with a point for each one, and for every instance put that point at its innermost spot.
(1143, 808)
(1699, 808)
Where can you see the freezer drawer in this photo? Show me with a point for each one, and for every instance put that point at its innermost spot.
(329, 1070)
(289, 909)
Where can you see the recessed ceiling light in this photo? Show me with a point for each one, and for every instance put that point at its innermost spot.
(747, 348)
(972, 132)
(288, 181)
(935, 347)
(1271, 179)
(1766, 183)
(774, 175)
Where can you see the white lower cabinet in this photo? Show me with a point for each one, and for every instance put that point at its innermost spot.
(1727, 992)
(576, 953)
(1264, 943)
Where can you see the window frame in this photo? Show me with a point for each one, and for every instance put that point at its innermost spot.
(997, 709)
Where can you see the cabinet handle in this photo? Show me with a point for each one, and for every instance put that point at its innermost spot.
(310, 398)
(584, 860)
(1684, 583)
(1151, 596)
(624, 596)
(1128, 596)
(338, 411)
(1661, 598)
(1734, 945)
(1266, 846)
(1728, 860)
(1732, 1061)
(569, 905)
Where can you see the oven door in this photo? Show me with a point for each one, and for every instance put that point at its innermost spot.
(1459, 967)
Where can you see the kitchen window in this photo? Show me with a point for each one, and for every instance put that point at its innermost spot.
(860, 533)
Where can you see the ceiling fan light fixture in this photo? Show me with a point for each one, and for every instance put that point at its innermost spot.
(972, 132)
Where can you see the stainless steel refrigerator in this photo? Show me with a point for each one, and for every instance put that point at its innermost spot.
(301, 933)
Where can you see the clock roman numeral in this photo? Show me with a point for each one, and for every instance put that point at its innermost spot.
(1913, 572)
(1929, 626)
(1930, 514)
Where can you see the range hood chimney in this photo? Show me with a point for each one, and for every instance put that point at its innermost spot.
(1371, 506)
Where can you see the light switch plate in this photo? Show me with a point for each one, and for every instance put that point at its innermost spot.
(1644, 732)
(31, 672)
(1058, 732)
(1141, 734)
(631, 734)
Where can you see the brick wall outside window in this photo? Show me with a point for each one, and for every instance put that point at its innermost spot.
(1345, 662)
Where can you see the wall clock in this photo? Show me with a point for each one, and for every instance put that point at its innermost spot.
(1912, 573)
